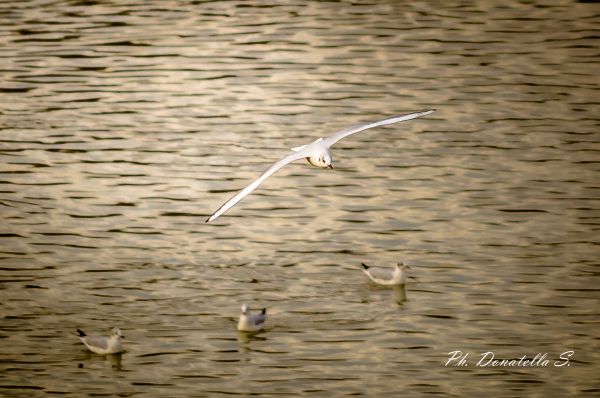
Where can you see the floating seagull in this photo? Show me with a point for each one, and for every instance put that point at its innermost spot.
(316, 153)
(103, 345)
(387, 276)
(251, 322)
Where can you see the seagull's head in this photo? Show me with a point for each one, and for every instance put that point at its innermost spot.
(326, 161)
(329, 163)
(245, 309)
(116, 332)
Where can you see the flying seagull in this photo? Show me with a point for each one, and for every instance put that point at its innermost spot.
(103, 345)
(251, 322)
(387, 276)
(317, 153)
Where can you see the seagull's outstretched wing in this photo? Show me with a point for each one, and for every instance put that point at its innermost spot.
(332, 139)
(240, 195)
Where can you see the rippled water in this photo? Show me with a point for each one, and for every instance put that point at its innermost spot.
(124, 124)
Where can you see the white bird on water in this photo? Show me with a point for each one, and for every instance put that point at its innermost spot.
(251, 322)
(316, 153)
(387, 276)
(103, 345)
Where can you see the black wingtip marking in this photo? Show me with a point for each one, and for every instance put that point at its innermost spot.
(264, 311)
(365, 266)
(81, 333)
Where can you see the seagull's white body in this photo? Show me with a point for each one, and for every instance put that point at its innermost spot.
(317, 153)
(387, 276)
(103, 345)
(251, 322)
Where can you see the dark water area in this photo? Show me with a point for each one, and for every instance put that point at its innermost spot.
(123, 125)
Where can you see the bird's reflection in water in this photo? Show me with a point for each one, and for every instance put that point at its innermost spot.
(399, 292)
(245, 338)
(115, 360)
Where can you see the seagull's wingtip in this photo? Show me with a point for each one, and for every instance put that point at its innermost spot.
(365, 266)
